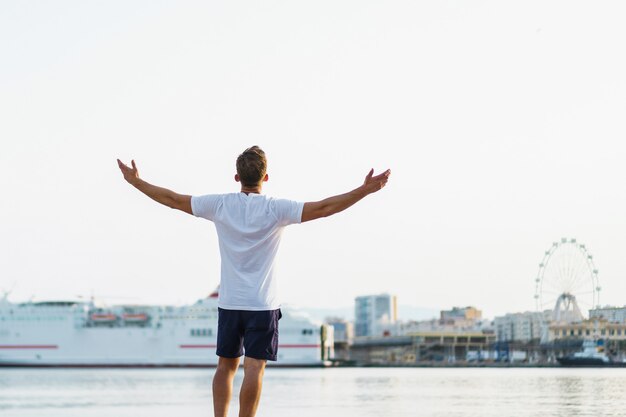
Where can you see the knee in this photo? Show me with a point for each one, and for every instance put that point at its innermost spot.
(228, 365)
(255, 366)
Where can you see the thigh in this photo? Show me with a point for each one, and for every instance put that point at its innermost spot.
(230, 333)
(261, 334)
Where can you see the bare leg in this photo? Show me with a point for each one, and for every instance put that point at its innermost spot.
(223, 385)
(251, 387)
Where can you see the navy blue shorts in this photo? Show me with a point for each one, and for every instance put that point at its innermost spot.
(255, 332)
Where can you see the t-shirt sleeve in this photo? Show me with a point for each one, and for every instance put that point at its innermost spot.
(288, 211)
(205, 206)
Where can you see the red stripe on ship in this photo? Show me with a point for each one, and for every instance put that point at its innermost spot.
(29, 347)
(299, 346)
(197, 346)
(214, 346)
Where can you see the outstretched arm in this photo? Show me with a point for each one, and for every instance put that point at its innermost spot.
(332, 205)
(159, 194)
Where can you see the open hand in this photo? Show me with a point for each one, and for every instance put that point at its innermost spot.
(130, 174)
(374, 183)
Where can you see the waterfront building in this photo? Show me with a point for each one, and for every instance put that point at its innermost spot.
(610, 337)
(424, 348)
(459, 335)
(611, 314)
(521, 327)
(455, 321)
(439, 326)
(593, 328)
(375, 315)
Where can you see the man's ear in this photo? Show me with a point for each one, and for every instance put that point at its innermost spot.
(266, 177)
(237, 177)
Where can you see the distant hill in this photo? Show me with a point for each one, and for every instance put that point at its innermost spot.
(405, 313)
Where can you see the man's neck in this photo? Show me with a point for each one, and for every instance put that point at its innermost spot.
(251, 190)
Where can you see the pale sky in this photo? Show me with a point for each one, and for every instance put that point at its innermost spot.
(502, 122)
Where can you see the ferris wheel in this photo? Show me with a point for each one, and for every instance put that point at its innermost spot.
(567, 281)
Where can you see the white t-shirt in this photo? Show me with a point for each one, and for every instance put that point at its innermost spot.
(249, 227)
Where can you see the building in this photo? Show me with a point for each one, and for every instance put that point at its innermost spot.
(455, 321)
(375, 315)
(610, 337)
(424, 348)
(610, 314)
(521, 327)
(458, 314)
(594, 328)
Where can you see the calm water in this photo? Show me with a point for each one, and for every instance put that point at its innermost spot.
(348, 392)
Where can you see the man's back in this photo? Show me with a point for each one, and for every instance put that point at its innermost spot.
(249, 228)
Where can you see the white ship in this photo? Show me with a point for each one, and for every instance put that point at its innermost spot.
(82, 334)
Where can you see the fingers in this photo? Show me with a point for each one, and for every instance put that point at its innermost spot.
(382, 178)
(121, 165)
(130, 174)
(382, 175)
(375, 183)
(124, 167)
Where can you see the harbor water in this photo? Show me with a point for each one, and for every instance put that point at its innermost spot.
(340, 392)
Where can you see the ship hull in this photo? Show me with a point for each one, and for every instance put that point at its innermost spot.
(588, 363)
(64, 334)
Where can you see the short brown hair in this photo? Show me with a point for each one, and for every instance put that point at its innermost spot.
(251, 166)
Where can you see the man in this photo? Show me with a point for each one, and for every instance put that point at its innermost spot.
(249, 227)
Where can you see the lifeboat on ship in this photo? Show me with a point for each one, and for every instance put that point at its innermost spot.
(135, 317)
(103, 317)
